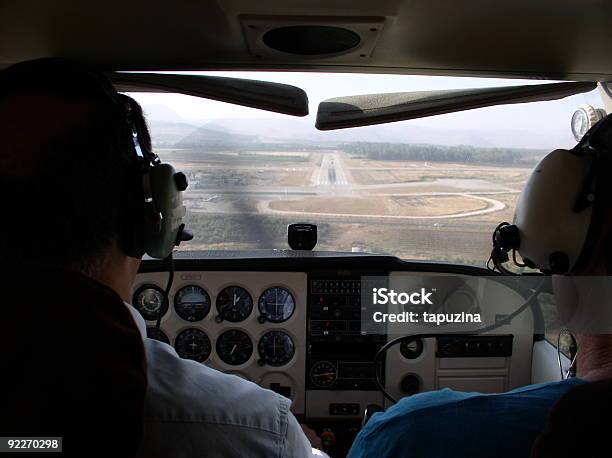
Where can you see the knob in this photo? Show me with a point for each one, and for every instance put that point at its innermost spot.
(410, 385)
(370, 410)
(328, 438)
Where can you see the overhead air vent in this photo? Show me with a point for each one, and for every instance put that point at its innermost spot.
(311, 40)
(303, 37)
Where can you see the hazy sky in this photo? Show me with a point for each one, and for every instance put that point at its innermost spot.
(550, 120)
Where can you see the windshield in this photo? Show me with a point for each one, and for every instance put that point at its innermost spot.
(427, 189)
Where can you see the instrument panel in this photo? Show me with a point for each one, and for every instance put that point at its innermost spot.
(250, 324)
(299, 333)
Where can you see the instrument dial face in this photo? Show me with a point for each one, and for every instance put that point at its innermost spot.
(192, 303)
(234, 347)
(276, 348)
(234, 304)
(149, 300)
(580, 124)
(157, 334)
(193, 344)
(411, 349)
(323, 374)
(276, 304)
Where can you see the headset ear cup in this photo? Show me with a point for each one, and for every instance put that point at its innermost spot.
(132, 237)
(164, 216)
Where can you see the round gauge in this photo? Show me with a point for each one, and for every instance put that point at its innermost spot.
(276, 305)
(323, 374)
(411, 349)
(192, 303)
(149, 300)
(234, 347)
(584, 118)
(276, 348)
(193, 344)
(157, 334)
(234, 304)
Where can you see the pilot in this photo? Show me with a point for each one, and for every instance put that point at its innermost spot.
(548, 217)
(66, 150)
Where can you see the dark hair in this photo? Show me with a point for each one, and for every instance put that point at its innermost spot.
(66, 207)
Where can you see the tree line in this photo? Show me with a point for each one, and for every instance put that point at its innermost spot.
(442, 153)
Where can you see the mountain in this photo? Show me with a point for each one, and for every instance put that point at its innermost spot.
(206, 138)
(171, 130)
(162, 113)
(167, 134)
(302, 130)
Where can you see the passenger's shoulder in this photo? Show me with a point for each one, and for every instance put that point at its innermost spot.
(432, 400)
(182, 390)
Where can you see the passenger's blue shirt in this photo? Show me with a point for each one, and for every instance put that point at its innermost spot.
(451, 424)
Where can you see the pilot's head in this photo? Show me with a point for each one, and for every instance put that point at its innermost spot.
(65, 157)
(563, 226)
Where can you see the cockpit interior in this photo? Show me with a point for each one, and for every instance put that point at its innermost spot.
(332, 155)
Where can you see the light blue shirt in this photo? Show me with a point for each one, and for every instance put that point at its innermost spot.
(451, 424)
(192, 410)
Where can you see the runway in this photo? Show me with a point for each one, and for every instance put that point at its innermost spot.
(332, 178)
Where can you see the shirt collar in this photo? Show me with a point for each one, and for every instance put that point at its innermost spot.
(138, 319)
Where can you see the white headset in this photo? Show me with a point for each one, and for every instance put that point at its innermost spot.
(554, 226)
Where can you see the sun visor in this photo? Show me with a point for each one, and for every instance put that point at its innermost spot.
(263, 95)
(365, 110)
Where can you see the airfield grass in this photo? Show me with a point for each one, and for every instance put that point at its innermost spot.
(249, 231)
(381, 205)
(498, 175)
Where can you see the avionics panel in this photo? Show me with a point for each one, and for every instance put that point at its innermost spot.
(339, 355)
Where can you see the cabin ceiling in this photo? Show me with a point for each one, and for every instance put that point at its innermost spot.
(555, 39)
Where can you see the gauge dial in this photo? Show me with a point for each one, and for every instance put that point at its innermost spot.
(193, 344)
(323, 374)
(411, 349)
(149, 300)
(585, 117)
(276, 348)
(276, 305)
(234, 304)
(192, 303)
(157, 334)
(580, 124)
(234, 347)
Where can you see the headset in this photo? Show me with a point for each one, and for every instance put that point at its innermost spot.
(154, 209)
(560, 214)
